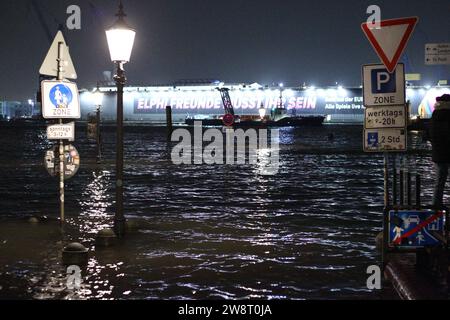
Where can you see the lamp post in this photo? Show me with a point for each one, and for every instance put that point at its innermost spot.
(120, 42)
(98, 101)
(281, 86)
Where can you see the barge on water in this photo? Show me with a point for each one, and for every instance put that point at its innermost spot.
(278, 116)
(254, 121)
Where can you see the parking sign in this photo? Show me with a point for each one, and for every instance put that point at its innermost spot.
(382, 88)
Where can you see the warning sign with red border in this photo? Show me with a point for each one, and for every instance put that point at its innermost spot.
(389, 40)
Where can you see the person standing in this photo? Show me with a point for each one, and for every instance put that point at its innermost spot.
(440, 139)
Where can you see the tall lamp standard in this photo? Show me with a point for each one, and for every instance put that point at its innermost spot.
(98, 101)
(120, 39)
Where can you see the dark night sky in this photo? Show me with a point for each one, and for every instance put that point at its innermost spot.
(266, 41)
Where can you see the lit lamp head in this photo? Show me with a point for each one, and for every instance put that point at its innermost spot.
(262, 112)
(120, 38)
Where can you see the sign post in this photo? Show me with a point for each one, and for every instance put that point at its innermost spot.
(60, 100)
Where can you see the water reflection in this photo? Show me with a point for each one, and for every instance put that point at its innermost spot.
(95, 203)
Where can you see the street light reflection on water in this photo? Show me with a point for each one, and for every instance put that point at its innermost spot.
(95, 204)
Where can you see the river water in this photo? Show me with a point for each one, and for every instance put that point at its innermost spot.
(200, 231)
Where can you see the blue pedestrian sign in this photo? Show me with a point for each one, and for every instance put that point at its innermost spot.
(60, 100)
(415, 229)
(61, 96)
(382, 88)
(372, 139)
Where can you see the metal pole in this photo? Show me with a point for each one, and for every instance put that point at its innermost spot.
(418, 187)
(385, 211)
(169, 122)
(386, 181)
(61, 142)
(99, 148)
(408, 185)
(119, 219)
(394, 182)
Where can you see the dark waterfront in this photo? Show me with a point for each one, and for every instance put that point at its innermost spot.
(201, 232)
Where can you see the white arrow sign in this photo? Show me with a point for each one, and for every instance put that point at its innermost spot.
(50, 65)
(437, 53)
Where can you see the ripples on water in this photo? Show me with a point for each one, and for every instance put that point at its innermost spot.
(202, 232)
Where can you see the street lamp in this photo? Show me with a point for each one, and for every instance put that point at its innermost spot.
(120, 39)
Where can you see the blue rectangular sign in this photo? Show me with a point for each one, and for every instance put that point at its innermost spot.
(405, 229)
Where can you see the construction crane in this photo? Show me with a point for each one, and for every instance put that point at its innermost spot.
(227, 103)
(37, 6)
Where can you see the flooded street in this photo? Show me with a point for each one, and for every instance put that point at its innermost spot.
(198, 231)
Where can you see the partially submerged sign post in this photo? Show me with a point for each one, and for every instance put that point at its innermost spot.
(60, 100)
(385, 130)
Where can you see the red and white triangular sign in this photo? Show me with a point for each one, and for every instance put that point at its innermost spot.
(390, 40)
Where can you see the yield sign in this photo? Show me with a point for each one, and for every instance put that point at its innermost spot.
(389, 41)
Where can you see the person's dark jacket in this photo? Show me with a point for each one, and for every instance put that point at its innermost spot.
(440, 132)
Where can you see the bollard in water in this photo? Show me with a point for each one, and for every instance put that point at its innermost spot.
(34, 220)
(75, 254)
(105, 238)
(169, 122)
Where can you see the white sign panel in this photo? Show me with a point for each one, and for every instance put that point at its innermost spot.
(385, 117)
(61, 132)
(385, 140)
(60, 100)
(437, 53)
(382, 88)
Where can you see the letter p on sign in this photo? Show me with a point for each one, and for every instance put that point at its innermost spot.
(383, 81)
